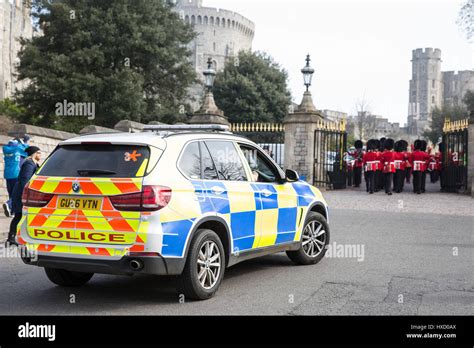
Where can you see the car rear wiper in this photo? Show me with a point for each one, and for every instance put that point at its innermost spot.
(84, 172)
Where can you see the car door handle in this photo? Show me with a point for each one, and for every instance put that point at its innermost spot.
(266, 193)
(218, 190)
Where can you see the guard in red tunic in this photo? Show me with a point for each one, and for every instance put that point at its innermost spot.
(379, 177)
(357, 169)
(388, 161)
(419, 162)
(400, 165)
(371, 162)
(409, 170)
(424, 146)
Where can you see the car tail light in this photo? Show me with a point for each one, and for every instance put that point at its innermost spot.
(152, 198)
(36, 199)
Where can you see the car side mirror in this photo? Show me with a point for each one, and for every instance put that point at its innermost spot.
(292, 175)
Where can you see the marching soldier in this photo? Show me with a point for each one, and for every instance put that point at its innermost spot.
(442, 149)
(406, 162)
(379, 177)
(424, 146)
(388, 160)
(357, 169)
(419, 164)
(370, 161)
(399, 158)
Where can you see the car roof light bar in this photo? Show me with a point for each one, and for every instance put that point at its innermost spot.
(187, 128)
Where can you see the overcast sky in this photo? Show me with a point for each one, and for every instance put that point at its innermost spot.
(358, 47)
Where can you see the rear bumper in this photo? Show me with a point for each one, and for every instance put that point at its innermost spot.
(151, 265)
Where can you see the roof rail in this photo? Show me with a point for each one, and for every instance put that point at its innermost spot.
(187, 128)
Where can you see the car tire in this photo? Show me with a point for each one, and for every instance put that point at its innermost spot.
(202, 277)
(315, 232)
(65, 278)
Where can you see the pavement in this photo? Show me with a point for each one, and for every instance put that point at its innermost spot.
(400, 255)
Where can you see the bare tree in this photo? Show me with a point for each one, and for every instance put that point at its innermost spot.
(466, 19)
(365, 122)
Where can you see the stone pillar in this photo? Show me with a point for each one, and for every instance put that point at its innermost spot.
(299, 138)
(470, 159)
(127, 126)
(209, 113)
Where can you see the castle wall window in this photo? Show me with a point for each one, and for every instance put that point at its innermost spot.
(223, 22)
(206, 20)
(228, 23)
(218, 21)
(199, 20)
(193, 19)
(212, 20)
(186, 19)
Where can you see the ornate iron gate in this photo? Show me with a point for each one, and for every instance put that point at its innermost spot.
(330, 146)
(455, 155)
(269, 136)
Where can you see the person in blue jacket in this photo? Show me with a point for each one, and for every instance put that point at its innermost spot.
(14, 155)
(28, 169)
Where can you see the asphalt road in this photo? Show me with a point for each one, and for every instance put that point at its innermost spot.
(415, 258)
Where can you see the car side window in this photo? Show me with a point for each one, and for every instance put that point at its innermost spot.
(209, 171)
(190, 162)
(227, 160)
(262, 171)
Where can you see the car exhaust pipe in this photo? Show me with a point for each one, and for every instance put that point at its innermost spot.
(136, 265)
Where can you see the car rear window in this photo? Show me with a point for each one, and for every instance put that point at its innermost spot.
(98, 160)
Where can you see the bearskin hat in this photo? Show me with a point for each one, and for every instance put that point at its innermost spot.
(382, 144)
(376, 144)
(417, 145)
(388, 144)
(424, 145)
(404, 145)
(371, 145)
(358, 144)
(398, 146)
(442, 147)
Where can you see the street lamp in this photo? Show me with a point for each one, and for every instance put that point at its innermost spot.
(209, 75)
(308, 72)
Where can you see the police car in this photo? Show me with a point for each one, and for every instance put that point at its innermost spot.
(173, 200)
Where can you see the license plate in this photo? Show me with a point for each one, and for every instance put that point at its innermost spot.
(80, 203)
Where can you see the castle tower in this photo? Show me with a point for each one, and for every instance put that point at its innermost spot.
(426, 88)
(15, 22)
(221, 34)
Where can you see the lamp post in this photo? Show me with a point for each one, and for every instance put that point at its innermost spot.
(307, 103)
(209, 76)
(209, 113)
(307, 72)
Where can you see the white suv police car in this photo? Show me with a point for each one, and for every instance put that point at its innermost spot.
(178, 200)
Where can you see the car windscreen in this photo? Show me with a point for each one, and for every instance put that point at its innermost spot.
(97, 160)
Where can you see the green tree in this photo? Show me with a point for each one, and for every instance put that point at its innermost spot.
(469, 101)
(439, 115)
(128, 57)
(253, 88)
(10, 109)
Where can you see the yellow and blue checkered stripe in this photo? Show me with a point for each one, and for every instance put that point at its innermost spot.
(258, 214)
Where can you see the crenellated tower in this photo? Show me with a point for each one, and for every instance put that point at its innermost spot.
(221, 34)
(426, 88)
